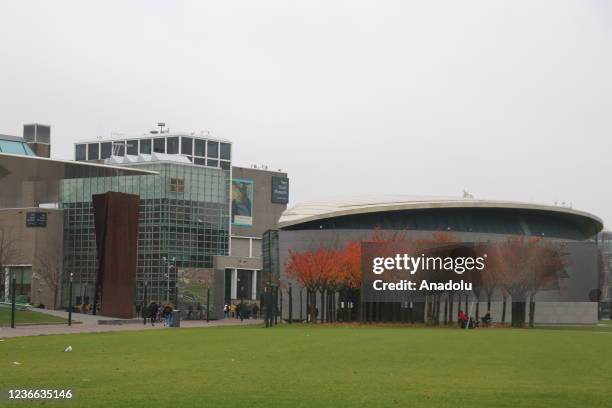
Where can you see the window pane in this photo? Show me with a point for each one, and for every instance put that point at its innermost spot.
(186, 143)
(132, 147)
(213, 149)
(212, 163)
(173, 145)
(93, 151)
(145, 146)
(200, 148)
(12, 147)
(80, 152)
(159, 145)
(118, 148)
(105, 150)
(225, 165)
(198, 161)
(225, 151)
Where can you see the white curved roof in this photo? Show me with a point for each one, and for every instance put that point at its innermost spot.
(316, 210)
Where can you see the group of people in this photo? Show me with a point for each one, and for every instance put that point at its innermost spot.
(158, 312)
(241, 310)
(465, 321)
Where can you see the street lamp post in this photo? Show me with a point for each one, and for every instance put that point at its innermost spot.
(70, 300)
(290, 304)
(170, 264)
(13, 299)
(143, 309)
(207, 304)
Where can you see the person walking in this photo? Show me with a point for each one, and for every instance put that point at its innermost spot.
(152, 312)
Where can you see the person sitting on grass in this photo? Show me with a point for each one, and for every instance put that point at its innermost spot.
(460, 318)
(486, 319)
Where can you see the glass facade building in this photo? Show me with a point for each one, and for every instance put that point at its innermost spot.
(184, 216)
(198, 150)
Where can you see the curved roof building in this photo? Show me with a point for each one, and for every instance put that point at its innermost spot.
(443, 214)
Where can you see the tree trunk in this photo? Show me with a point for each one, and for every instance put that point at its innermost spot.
(450, 308)
(446, 311)
(518, 313)
(503, 319)
(322, 311)
(531, 311)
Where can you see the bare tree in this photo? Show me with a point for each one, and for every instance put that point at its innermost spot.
(49, 268)
(8, 251)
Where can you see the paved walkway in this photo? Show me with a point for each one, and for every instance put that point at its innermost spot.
(90, 327)
(76, 317)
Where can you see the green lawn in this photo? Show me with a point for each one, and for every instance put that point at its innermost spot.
(321, 367)
(26, 317)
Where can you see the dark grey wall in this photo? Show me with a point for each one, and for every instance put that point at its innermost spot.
(580, 280)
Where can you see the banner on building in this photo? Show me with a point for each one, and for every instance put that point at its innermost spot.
(242, 203)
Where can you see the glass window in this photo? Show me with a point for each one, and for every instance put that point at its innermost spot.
(119, 148)
(213, 149)
(200, 162)
(177, 185)
(80, 152)
(159, 145)
(212, 163)
(12, 147)
(186, 145)
(173, 145)
(145, 146)
(225, 151)
(200, 148)
(93, 151)
(105, 149)
(225, 165)
(132, 147)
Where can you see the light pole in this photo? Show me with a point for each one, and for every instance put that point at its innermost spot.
(170, 264)
(70, 300)
(144, 309)
(13, 299)
(290, 304)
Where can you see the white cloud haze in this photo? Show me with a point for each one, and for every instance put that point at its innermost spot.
(508, 99)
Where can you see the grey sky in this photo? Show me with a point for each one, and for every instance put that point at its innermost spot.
(510, 100)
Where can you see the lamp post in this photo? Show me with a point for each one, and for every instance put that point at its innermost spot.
(143, 309)
(290, 305)
(70, 300)
(170, 264)
(207, 304)
(13, 299)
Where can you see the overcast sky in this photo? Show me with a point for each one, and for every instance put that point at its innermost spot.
(509, 100)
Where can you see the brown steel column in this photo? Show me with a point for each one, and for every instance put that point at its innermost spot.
(116, 225)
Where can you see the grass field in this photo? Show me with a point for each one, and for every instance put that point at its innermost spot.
(25, 317)
(303, 366)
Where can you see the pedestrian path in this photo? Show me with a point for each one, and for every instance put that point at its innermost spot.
(89, 327)
(76, 317)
